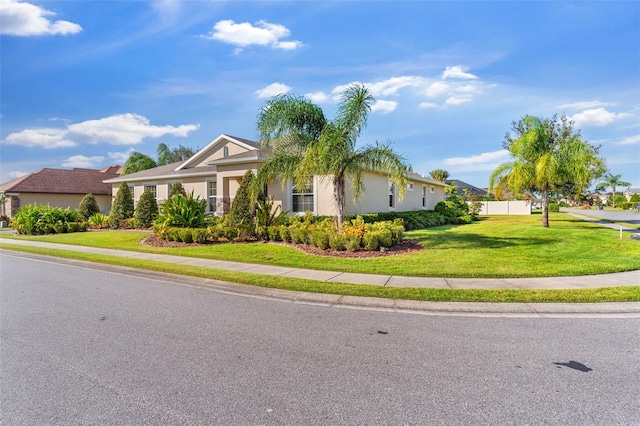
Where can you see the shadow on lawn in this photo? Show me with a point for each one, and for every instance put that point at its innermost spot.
(476, 241)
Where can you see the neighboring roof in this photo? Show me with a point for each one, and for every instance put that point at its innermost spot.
(632, 191)
(463, 185)
(59, 181)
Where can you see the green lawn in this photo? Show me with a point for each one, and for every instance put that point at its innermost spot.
(497, 246)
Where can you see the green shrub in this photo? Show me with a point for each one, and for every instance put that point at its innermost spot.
(371, 240)
(199, 235)
(352, 241)
(98, 220)
(285, 234)
(34, 219)
(147, 210)
(320, 239)
(122, 207)
(176, 189)
(635, 198)
(183, 212)
(185, 235)
(554, 207)
(88, 206)
(273, 232)
(242, 210)
(60, 227)
(336, 241)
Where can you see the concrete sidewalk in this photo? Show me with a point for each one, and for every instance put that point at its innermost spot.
(631, 278)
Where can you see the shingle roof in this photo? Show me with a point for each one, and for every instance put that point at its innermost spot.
(463, 185)
(58, 181)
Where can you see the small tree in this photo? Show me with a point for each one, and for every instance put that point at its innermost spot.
(242, 209)
(122, 206)
(88, 206)
(147, 210)
(177, 188)
(439, 175)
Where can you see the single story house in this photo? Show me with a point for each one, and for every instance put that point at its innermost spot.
(215, 172)
(58, 188)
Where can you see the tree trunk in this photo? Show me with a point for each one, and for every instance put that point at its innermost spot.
(545, 209)
(338, 194)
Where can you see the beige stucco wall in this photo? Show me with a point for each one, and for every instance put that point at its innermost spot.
(217, 153)
(505, 208)
(71, 201)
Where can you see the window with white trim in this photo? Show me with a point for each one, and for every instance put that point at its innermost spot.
(225, 151)
(424, 196)
(302, 197)
(212, 196)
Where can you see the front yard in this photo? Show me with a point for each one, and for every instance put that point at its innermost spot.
(497, 246)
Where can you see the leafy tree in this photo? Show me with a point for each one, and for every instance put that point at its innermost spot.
(635, 198)
(88, 206)
(439, 175)
(304, 143)
(177, 188)
(181, 153)
(147, 209)
(547, 155)
(242, 209)
(122, 207)
(138, 162)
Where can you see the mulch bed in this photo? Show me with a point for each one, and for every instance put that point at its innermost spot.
(406, 246)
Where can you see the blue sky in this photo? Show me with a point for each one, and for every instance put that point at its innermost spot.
(84, 83)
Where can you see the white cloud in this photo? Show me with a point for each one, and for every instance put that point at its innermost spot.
(631, 140)
(457, 100)
(436, 89)
(16, 175)
(597, 117)
(317, 97)
(458, 71)
(120, 157)
(583, 105)
(46, 138)
(426, 105)
(246, 34)
(126, 129)
(123, 129)
(82, 161)
(384, 106)
(481, 162)
(272, 90)
(25, 19)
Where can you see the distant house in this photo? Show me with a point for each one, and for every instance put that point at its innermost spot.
(59, 188)
(461, 186)
(214, 173)
(629, 192)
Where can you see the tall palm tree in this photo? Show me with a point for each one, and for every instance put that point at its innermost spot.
(613, 181)
(304, 143)
(439, 175)
(547, 156)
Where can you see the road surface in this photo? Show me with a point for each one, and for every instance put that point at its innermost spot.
(85, 345)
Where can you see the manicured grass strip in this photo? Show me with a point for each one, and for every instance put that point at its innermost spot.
(609, 294)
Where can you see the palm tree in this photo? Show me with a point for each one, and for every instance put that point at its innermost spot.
(547, 157)
(613, 181)
(439, 175)
(304, 143)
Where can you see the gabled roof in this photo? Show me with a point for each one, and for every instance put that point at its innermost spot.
(59, 181)
(422, 178)
(245, 143)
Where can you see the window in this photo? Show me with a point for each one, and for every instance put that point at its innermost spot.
(212, 195)
(410, 186)
(132, 191)
(302, 197)
(151, 189)
(424, 196)
(392, 197)
(432, 190)
(225, 151)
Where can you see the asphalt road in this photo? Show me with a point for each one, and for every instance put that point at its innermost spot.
(96, 345)
(630, 216)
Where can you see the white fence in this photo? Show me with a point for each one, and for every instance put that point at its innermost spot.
(505, 207)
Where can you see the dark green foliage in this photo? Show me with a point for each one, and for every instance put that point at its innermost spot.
(419, 219)
(147, 210)
(88, 206)
(554, 207)
(176, 189)
(635, 198)
(455, 209)
(137, 162)
(267, 217)
(183, 212)
(34, 219)
(242, 210)
(122, 206)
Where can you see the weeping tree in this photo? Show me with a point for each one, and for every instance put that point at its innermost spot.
(305, 143)
(547, 157)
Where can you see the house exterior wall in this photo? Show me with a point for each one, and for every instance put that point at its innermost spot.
(218, 153)
(71, 201)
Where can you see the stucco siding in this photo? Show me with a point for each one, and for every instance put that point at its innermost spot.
(71, 201)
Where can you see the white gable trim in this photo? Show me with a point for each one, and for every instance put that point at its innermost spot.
(198, 155)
